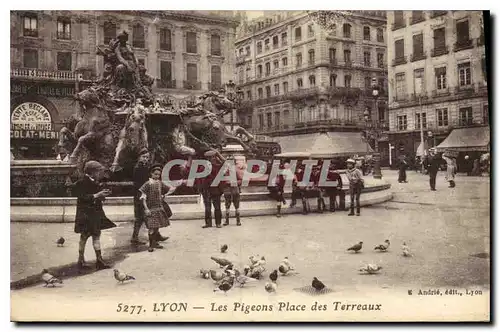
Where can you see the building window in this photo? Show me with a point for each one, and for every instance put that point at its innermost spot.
(465, 116)
(463, 39)
(63, 28)
(298, 34)
(247, 50)
(249, 96)
(347, 56)
(261, 121)
(311, 57)
(276, 64)
(333, 80)
(402, 122)
(284, 62)
(30, 58)
(333, 55)
(268, 91)
(268, 68)
(276, 89)
(215, 45)
(192, 73)
(368, 83)
(266, 45)
(301, 115)
(439, 41)
(418, 46)
(260, 93)
(259, 47)
(109, 32)
(310, 31)
(165, 40)
(380, 60)
(312, 81)
(366, 33)
(400, 86)
(138, 38)
(419, 82)
(166, 71)
(486, 114)
(64, 61)
(367, 58)
(381, 114)
(299, 59)
(241, 51)
(284, 39)
(440, 78)
(30, 28)
(285, 87)
(286, 118)
(277, 119)
(216, 75)
(299, 83)
(399, 19)
(191, 42)
(259, 71)
(464, 74)
(347, 81)
(399, 46)
(442, 117)
(380, 35)
(275, 42)
(417, 16)
(269, 120)
(347, 30)
(424, 120)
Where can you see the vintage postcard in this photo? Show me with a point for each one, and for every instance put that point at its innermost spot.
(243, 166)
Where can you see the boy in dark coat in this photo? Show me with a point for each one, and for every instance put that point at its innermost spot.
(90, 218)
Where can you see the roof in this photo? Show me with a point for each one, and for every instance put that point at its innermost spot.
(467, 139)
(323, 145)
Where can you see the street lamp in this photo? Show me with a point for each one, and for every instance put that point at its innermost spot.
(236, 96)
(374, 130)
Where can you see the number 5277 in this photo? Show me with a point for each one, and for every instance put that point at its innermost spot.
(130, 309)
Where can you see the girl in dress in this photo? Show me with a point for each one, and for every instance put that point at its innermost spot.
(153, 193)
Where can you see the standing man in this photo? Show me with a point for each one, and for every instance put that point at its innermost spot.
(90, 218)
(232, 195)
(355, 177)
(212, 195)
(140, 176)
(433, 162)
(332, 192)
(402, 169)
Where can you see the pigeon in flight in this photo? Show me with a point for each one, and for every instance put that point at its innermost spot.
(384, 246)
(49, 279)
(357, 247)
(121, 276)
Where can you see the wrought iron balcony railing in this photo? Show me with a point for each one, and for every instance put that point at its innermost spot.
(165, 84)
(399, 61)
(439, 50)
(43, 74)
(463, 45)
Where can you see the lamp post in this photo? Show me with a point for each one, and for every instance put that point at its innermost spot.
(374, 130)
(236, 96)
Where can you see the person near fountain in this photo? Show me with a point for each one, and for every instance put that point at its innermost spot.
(276, 189)
(298, 191)
(153, 192)
(403, 165)
(90, 219)
(317, 190)
(355, 177)
(232, 195)
(212, 194)
(332, 192)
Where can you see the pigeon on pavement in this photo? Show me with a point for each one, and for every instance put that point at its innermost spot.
(274, 276)
(225, 285)
(216, 276)
(357, 247)
(60, 242)
(49, 279)
(317, 285)
(371, 268)
(205, 274)
(223, 249)
(121, 276)
(242, 279)
(221, 261)
(384, 246)
(285, 266)
(270, 287)
(406, 250)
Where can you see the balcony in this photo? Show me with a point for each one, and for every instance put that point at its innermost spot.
(464, 90)
(441, 92)
(398, 25)
(418, 56)
(303, 93)
(216, 52)
(191, 85)
(214, 86)
(42, 74)
(165, 47)
(344, 92)
(333, 62)
(463, 45)
(436, 13)
(348, 63)
(399, 61)
(165, 84)
(438, 51)
(240, 59)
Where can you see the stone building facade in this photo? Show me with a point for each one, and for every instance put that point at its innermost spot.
(437, 71)
(53, 55)
(299, 78)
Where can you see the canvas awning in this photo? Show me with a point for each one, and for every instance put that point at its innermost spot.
(467, 139)
(324, 145)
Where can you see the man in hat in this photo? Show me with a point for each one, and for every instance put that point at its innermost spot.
(333, 191)
(212, 194)
(433, 162)
(355, 177)
(90, 218)
(232, 193)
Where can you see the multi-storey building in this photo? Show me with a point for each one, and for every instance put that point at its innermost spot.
(437, 75)
(53, 55)
(298, 78)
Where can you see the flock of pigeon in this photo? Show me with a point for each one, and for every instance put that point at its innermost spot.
(250, 273)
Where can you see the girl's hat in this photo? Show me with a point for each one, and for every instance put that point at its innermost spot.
(156, 167)
(350, 161)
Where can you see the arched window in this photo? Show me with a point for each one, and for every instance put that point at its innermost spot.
(312, 80)
(165, 39)
(138, 36)
(109, 32)
(347, 30)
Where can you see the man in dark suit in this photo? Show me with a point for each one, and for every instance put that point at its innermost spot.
(212, 194)
(332, 192)
(90, 218)
(433, 162)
